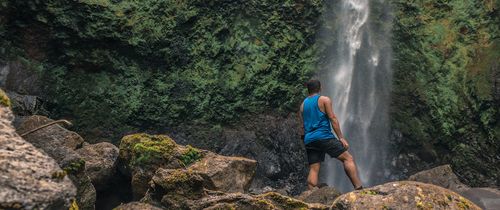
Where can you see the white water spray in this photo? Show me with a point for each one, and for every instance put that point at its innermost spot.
(357, 79)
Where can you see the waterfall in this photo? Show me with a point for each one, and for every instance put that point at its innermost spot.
(357, 78)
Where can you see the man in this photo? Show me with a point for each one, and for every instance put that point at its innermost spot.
(317, 114)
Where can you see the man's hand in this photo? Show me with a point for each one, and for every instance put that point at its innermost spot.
(344, 143)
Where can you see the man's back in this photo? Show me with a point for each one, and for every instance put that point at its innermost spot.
(316, 122)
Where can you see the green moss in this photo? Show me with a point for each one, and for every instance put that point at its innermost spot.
(75, 167)
(59, 175)
(4, 99)
(190, 155)
(369, 192)
(141, 149)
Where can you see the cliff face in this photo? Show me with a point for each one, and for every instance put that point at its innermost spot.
(445, 106)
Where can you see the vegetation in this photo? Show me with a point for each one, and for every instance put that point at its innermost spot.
(120, 65)
(445, 101)
(4, 99)
(190, 156)
(144, 149)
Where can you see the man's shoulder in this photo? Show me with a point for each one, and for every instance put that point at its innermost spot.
(324, 98)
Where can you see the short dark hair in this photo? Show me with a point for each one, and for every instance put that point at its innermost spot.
(313, 86)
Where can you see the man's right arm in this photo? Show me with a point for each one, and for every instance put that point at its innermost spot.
(335, 123)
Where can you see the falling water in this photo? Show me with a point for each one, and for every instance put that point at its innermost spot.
(357, 77)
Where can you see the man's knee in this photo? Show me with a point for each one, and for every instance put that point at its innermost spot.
(346, 157)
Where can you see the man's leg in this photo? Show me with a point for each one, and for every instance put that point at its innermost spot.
(350, 168)
(312, 179)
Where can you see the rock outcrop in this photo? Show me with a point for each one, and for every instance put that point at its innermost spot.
(60, 144)
(142, 155)
(403, 195)
(100, 162)
(29, 178)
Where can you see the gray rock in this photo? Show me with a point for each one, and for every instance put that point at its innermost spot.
(441, 176)
(60, 144)
(136, 206)
(21, 79)
(48, 136)
(29, 179)
(324, 195)
(486, 198)
(100, 162)
(26, 104)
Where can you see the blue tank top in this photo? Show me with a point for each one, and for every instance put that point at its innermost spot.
(316, 123)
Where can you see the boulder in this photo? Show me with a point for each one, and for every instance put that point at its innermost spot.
(324, 195)
(142, 154)
(136, 206)
(403, 195)
(60, 144)
(100, 162)
(266, 201)
(48, 136)
(29, 178)
(174, 188)
(229, 174)
(441, 176)
(486, 198)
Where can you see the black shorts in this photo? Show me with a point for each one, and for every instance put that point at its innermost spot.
(316, 150)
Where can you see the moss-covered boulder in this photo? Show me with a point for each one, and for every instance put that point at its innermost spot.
(142, 154)
(403, 195)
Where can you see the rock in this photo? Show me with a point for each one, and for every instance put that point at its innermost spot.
(60, 144)
(100, 162)
(403, 195)
(486, 198)
(272, 140)
(136, 206)
(29, 179)
(174, 188)
(244, 201)
(142, 154)
(20, 78)
(48, 136)
(324, 195)
(441, 176)
(229, 174)
(26, 105)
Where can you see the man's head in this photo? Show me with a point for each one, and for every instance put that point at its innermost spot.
(313, 86)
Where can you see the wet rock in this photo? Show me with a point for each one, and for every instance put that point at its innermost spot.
(100, 162)
(60, 144)
(136, 206)
(441, 176)
(229, 174)
(403, 195)
(20, 78)
(324, 195)
(29, 179)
